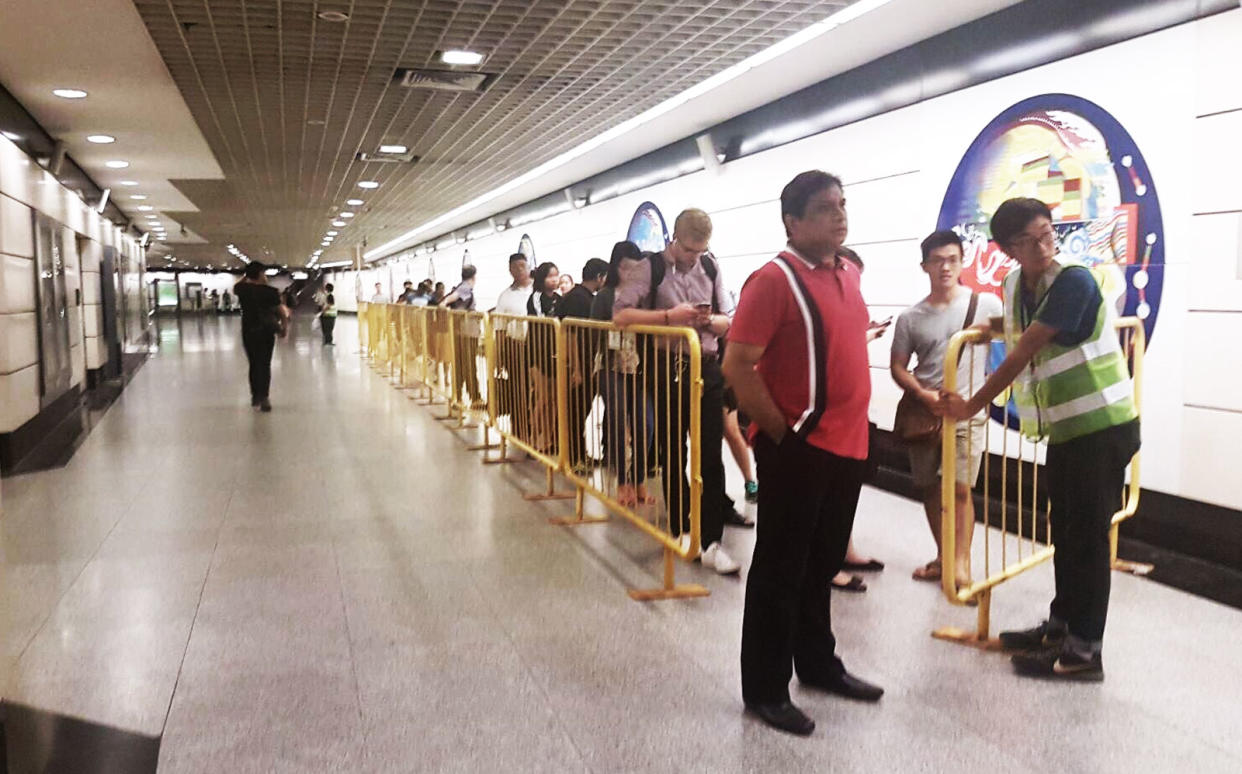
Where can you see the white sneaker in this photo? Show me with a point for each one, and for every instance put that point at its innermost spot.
(714, 556)
(683, 542)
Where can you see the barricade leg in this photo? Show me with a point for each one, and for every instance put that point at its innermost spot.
(1140, 569)
(670, 590)
(579, 516)
(980, 638)
(550, 493)
(504, 457)
(487, 443)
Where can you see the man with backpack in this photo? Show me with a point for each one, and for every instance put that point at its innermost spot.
(681, 286)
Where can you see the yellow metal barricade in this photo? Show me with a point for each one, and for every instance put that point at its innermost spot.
(1014, 540)
(526, 382)
(375, 331)
(363, 339)
(438, 358)
(631, 400)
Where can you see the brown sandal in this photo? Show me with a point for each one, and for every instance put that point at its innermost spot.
(928, 572)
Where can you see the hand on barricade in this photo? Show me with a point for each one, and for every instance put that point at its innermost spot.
(954, 406)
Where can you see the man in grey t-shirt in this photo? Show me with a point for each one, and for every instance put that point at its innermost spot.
(923, 331)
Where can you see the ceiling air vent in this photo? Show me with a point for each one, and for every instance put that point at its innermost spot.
(442, 80)
(387, 158)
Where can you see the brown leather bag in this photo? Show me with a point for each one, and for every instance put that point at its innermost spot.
(914, 423)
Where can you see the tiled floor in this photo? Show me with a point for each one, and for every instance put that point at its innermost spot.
(340, 586)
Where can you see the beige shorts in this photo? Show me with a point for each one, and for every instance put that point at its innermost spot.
(925, 459)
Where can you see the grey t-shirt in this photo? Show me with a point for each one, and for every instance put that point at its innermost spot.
(924, 332)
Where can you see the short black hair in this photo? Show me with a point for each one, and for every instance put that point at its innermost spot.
(1014, 215)
(467, 272)
(938, 239)
(798, 192)
(331, 299)
(518, 257)
(620, 252)
(254, 270)
(407, 282)
(594, 269)
(328, 287)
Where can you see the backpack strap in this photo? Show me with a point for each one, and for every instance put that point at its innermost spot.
(816, 348)
(658, 268)
(970, 310)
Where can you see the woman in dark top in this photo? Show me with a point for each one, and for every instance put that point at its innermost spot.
(542, 349)
(263, 317)
(629, 419)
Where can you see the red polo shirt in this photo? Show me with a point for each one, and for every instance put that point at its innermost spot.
(812, 323)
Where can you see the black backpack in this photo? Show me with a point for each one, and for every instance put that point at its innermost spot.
(656, 261)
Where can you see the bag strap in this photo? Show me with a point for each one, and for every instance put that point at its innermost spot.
(970, 310)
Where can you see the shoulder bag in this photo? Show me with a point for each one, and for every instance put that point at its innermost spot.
(914, 423)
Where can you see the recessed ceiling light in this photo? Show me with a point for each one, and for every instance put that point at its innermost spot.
(333, 16)
(69, 93)
(116, 164)
(316, 122)
(347, 214)
(354, 202)
(138, 197)
(325, 243)
(145, 208)
(100, 139)
(393, 149)
(333, 233)
(129, 182)
(338, 223)
(368, 184)
(14, 136)
(459, 57)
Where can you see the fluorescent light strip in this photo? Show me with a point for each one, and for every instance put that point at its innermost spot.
(844, 16)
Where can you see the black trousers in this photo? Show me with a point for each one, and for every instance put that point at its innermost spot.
(259, 346)
(670, 391)
(466, 367)
(807, 499)
(327, 325)
(1085, 481)
(513, 386)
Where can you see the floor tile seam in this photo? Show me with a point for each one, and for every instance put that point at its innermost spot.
(202, 590)
(353, 657)
(528, 670)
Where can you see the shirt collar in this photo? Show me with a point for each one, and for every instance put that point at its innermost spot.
(809, 263)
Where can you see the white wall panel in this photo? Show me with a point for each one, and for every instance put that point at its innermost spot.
(1214, 360)
(1218, 60)
(19, 398)
(16, 228)
(1210, 456)
(91, 290)
(1216, 268)
(1216, 163)
(90, 320)
(17, 284)
(19, 342)
(77, 356)
(94, 353)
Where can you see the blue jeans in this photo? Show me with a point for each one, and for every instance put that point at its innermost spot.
(627, 408)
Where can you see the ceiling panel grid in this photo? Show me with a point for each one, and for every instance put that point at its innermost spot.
(286, 99)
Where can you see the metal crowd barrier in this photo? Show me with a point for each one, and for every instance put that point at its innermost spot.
(611, 410)
(1012, 543)
(363, 337)
(627, 398)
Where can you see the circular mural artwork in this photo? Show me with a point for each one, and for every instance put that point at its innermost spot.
(1075, 157)
(526, 246)
(647, 229)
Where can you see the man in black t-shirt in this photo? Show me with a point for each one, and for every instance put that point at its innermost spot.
(582, 383)
(263, 316)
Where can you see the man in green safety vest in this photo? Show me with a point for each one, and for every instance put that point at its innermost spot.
(1072, 387)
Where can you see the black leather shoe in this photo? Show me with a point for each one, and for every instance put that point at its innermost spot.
(848, 686)
(783, 716)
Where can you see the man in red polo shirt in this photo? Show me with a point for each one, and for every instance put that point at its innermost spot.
(797, 359)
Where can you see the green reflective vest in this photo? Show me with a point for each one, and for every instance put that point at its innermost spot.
(1068, 392)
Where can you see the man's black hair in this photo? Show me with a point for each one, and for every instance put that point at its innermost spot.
(594, 269)
(938, 239)
(467, 272)
(1014, 215)
(518, 257)
(328, 287)
(254, 270)
(848, 254)
(798, 192)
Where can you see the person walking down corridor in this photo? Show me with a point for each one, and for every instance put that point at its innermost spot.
(327, 317)
(264, 318)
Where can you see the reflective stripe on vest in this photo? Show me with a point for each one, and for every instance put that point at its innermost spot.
(1068, 392)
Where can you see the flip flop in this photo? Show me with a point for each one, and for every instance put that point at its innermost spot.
(871, 565)
(929, 572)
(855, 583)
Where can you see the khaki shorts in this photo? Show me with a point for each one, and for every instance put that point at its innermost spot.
(925, 458)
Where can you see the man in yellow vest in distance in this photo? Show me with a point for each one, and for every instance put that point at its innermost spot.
(1071, 385)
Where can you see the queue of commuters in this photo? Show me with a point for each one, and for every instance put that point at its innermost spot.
(796, 370)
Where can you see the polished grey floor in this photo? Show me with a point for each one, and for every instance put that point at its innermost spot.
(340, 586)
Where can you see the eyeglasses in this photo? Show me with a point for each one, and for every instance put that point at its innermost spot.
(1025, 241)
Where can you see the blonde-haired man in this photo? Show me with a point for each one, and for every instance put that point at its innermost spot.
(681, 286)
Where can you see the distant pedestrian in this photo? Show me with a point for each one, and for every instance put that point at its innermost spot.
(327, 318)
(264, 318)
